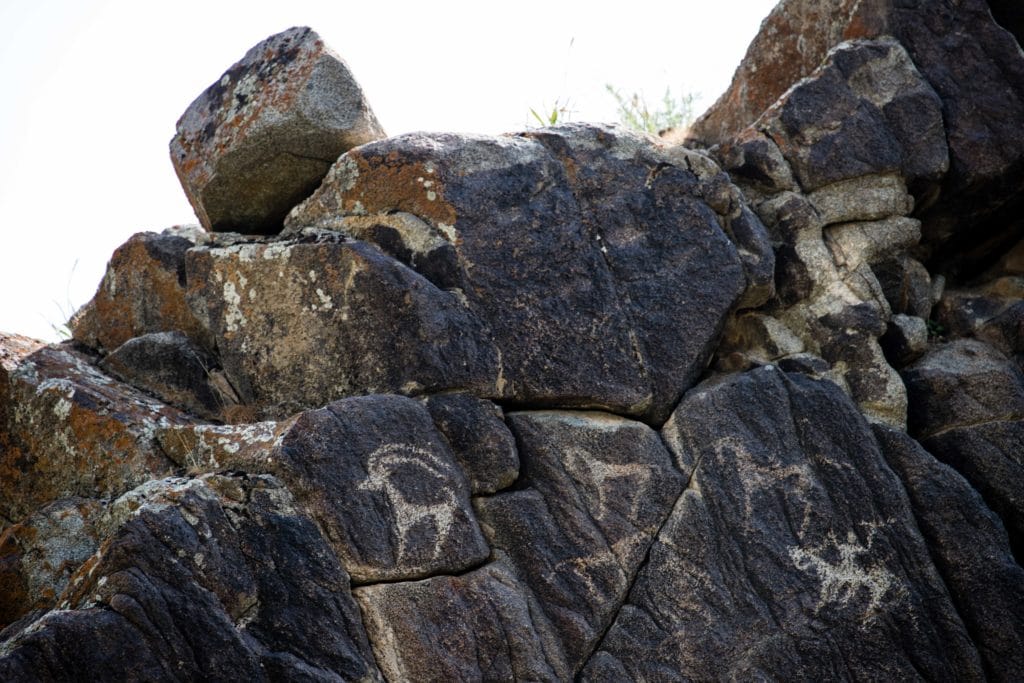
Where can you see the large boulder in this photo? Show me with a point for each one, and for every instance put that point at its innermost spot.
(792, 554)
(260, 139)
(594, 264)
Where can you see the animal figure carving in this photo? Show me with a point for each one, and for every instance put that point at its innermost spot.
(388, 467)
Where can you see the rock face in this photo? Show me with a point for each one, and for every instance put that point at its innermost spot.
(567, 404)
(260, 139)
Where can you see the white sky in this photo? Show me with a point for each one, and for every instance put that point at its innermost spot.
(91, 90)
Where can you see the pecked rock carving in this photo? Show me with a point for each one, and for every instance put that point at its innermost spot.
(575, 403)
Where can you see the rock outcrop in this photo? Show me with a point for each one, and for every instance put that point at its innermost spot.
(571, 403)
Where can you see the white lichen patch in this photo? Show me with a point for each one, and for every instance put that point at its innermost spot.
(62, 409)
(234, 319)
(448, 231)
(326, 303)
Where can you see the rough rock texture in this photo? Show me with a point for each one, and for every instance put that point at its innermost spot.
(567, 404)
(974, 66)
(260, 139)
(969, 546)
(791, 554)
(142, 291)
(595, 491)
(580, 297)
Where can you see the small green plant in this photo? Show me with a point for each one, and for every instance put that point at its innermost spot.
(936, 330)
(63, 330)
(560, 113)
(635, 112)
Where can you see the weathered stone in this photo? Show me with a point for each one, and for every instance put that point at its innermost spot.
(259, 140)
(974, 66)
(969, 546)
(73, 431)
(213, 578)
(865, 198)
(39, 554)
(990, 456)
(865, 111)
(961, 383)
(905, 340)
(907, 285)
(142, 291)
(594, 491)
(793, 553)
(482, 444)
(479, 626)
(373, 471)
(304, 322)
(993, 312)
(14, 348)
(586, 295)
(852, 244)
(167, 365)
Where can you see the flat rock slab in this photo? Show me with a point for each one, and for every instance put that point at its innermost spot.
(260, 139)
(479, 626)
(584, 294)
(372, 470)
(213, 578)
(594, 491)
(792, 554)
(301, 323)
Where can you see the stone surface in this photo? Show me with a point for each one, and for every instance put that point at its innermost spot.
(480, 441)
(373, 471)
(793, 553)
(907, 285)
(905, 340)
(202, 579)
(476, 627)
(974, 67)
(301, 323)
(962, 383)
(39, 554)
(167, 365)
(992, 312)
(594, 491)
(142, 291)
(969, 546)
(73, 431)
(584, 294)
(260, 139)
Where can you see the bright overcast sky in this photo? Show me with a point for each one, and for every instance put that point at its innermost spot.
(93, 89)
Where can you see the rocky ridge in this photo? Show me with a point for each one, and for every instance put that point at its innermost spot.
(572, 403)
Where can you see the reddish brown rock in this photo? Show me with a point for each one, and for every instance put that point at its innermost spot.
(142, 291)
(260, 139)
(73, 431)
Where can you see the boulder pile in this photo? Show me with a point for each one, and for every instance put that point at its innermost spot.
(742, 402)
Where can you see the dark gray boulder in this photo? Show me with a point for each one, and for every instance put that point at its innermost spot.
(792, 554)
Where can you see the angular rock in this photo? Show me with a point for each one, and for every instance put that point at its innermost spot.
(962, 383)
(907, 285)
(142, 291)
(793, 553)
(584, 295)
(992, 312)
(864, 198)
(481, 443)
(39, 554)
(594, 491)
(478, 626)
(990, 456)
(905, 340)
(373, 471)
(13, 350)
(167, 365)
(303, 322)
(212, 578)
(969, 546)
(974, 66)
(259, 140)
(73, 431)
(865, 111)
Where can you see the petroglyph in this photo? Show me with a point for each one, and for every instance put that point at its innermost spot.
(385, 468)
